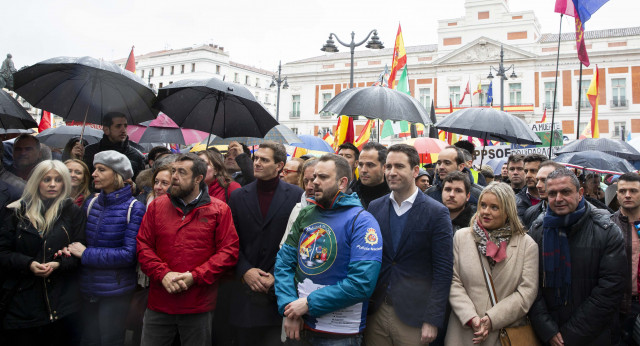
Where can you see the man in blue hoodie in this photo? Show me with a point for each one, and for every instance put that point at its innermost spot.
(328, 267)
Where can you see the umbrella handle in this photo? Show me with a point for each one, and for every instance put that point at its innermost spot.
(86, 113)
(215, 111)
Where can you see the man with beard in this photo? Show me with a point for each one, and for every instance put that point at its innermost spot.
(371, 184)
(260, 213)
(529, 195)
(114, 127)
(534, 211)
(186, 242)
(328, 267)
(26, 155)
(455, 196)
(451, 159)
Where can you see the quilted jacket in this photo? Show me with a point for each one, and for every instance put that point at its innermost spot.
(109, 262)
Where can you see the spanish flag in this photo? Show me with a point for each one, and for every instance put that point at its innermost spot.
(594, 98)
(365, 135)
(344, 131)
(479, 90)
(131, 62)
(399, 57)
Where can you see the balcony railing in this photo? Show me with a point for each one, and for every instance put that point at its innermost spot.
(618, 103)
(583, 104)
(294, 114)
(550, 105)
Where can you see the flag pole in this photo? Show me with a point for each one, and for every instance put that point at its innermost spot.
(579, 105)
(555, 89)
(470, 95)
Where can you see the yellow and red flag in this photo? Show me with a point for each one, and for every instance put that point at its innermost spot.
(544, 116)
(466, 92)
(344, 131)
(479, 90)
(594, 98)
(399, 57)
(365, 135)
(131, 62)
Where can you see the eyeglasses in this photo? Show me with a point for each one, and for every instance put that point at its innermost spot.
(287, 171)
(636, 224)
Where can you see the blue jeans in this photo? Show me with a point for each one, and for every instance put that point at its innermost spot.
(104, 320)
(317, 339)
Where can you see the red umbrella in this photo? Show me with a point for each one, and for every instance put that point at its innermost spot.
(428, 148)
(164, 130)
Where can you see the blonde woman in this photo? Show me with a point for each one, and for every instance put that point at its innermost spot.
(496, 240)
(46, 295)
(80, 178)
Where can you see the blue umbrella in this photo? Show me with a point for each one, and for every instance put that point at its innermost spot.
(496, 164)
(313, 143)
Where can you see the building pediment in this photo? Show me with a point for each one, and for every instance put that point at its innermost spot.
(481, 50)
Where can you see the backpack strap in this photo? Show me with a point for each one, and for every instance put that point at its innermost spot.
(93, 200)
(353, 225)
(129, 211)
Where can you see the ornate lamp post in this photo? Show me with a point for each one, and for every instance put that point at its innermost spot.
(330, 46)
(279, 81)
(501, 72)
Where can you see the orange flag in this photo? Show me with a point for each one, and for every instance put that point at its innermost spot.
(131, 62)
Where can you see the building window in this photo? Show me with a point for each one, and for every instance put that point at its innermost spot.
(172, 68)
(425, 97)
(159, 85)
(619, 129)
(236, 77)
(618, 89)
(257, 96)
(170, 82)
(257, 82)
(266, 99)
(483, 95)
(326, 97)
(141, 73)
(581, 127)
(323, 131)
(162, 71)
(217, 69)
(151, 73)
(246, 80)
(515, 94)
(295, 106)
(584, 99)
(193, 67)
(294, 130)
(549, 87)
(454, 95)
(181, 68)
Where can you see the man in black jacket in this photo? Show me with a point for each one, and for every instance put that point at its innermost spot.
(456, 192)
(529, 195)
(239, 164)
(114, 126)
(532, 213)
(582, 268)
(371, 184)
(451, 159)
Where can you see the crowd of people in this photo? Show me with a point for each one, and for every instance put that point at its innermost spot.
(364, 246)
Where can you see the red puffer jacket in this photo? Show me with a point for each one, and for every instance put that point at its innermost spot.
(203, 242)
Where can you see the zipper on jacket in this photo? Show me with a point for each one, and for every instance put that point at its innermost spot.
(46, 291)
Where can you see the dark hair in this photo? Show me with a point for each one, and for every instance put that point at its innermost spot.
(349, 146)
(458, 176)
(24, 136)
(563, 172)
(459, 154)
(411, 152)
(466, 145)
(216, 160)
(279, 152)
(155, 151)
(107, 119)
(199, 166)
(631, 176)
(514, 159)
(342, 165)
(66, 152)
(246, 150)
(535, 158)
(382, 151)
(550, 163)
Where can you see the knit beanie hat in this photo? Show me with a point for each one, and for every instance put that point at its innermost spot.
(116, 161)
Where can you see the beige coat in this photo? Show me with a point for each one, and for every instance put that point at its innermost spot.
(515, 280)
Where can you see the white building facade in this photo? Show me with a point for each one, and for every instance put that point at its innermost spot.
(162, 68)
(466, 48)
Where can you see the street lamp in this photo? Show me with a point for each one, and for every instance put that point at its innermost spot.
(330, 46)
(501, 72)
(279, 81)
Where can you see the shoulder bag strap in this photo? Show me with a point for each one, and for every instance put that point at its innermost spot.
(129, 211)
(353, 225)
(93, 200)
(489, 282)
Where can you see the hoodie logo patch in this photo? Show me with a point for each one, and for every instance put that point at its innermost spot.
(371, 237)
(203, 220)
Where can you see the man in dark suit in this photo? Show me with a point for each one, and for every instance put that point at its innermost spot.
(417, 259)
(260, 213)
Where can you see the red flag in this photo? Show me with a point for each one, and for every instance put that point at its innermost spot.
(45, 121)
(131, 62)
(466, 92)
(450, 106)
(582, 49)
(565, 7)
(544, 116)
(399, 57)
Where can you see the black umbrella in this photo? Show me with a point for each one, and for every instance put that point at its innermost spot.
(12, 113)
(378, 102)
(58, 137)
(85, 89)
(280, 134)
(216, 107)
(488, 124)
(433, 132)
(614, 147)
(595, 161)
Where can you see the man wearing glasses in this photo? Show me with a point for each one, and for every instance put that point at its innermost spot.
(291, 171)
(628, 219)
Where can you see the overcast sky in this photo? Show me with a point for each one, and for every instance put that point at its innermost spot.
(257, 33)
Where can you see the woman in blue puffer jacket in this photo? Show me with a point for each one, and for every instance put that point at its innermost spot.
(108, 275)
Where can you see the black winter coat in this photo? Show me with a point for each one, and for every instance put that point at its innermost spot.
(39, 301)
(134, 155)
(598, 281)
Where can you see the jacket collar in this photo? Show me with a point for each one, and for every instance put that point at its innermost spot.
(119, 196)
(106, 144)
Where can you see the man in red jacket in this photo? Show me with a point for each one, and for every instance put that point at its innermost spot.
(186, 242)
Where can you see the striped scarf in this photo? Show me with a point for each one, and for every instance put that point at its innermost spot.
(556, 256)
